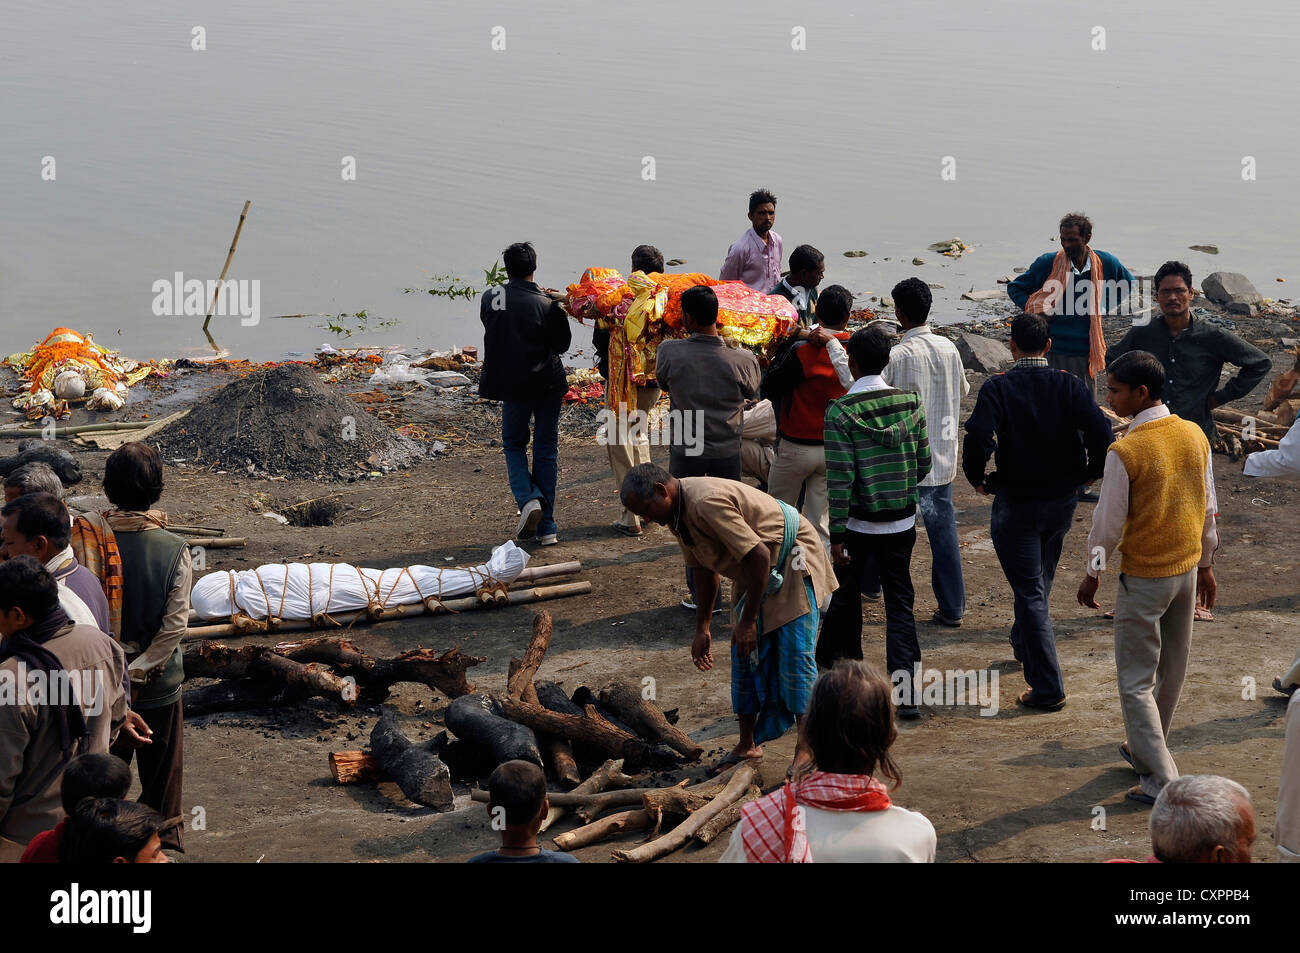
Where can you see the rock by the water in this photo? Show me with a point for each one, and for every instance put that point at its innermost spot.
(1020, 271)
(991, 295)
(1231, 290)
(918, 261)
(886, 302)
(1208, 249)
(981, 354)
(855, 254)
(674, 262)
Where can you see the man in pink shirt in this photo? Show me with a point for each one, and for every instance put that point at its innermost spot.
(755, 257)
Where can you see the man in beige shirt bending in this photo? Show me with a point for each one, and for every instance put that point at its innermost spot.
(781, 575)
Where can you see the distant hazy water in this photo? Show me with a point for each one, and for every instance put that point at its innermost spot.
(461, 149)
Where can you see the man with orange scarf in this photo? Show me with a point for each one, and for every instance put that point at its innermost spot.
(1065, 288)
(1072, 288)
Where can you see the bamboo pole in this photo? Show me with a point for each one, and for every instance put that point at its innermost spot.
(110, 427)
(229, 255)
(219, 542)
(533, 573)
(467, 604)
(189, 529)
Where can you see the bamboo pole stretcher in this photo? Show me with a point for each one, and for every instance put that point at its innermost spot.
(1267, 442)
(110, 427)
(469, 603)
(531, 574)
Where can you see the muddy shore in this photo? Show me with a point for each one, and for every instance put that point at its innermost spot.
(1015, 786)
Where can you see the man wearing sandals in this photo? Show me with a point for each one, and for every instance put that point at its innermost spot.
(781, 575)
(1158, 505)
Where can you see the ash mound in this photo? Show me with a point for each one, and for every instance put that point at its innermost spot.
(282, 421)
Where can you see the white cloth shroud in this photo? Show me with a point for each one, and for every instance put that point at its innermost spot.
(304, 590)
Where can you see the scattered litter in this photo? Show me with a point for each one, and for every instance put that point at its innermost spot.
(67, 365)
(400, 374)
(951, 248)
(282, 520)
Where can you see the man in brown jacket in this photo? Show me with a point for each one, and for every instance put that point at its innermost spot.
(61, 695)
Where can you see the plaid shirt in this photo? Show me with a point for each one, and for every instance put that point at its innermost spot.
(928, 365)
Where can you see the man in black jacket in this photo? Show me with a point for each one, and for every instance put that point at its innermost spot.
(1049, 437)
(1193, 353)
(525, 331)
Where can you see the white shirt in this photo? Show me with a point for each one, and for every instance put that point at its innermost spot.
(892, 836)
(930, 366)
(840, 361)
(1112, 506)
(69, 601)
(1282, 462)
(860, 386)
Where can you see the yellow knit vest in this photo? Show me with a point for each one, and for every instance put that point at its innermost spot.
(1165, 460)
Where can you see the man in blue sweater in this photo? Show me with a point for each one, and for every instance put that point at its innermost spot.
(1049, 436)
(1058, 285)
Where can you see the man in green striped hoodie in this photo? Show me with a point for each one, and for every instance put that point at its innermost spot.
(877, 451)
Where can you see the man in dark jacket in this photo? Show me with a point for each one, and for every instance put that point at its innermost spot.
(1049, 437)
(1192, 352)
(525, 331)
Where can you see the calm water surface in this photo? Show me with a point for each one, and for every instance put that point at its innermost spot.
(461, 149)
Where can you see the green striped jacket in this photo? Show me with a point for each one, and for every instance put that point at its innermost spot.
(877, 450)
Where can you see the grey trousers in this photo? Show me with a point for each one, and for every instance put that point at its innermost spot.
(1153, 637)
(1292, 677)
(1287, 832)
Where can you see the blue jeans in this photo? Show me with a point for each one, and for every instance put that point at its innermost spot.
(539, 482)
(1027, 536)
(940, 519)
(935, 504)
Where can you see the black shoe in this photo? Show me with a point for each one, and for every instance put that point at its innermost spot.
(1287, 690)
(909, 712)
(940, 619)
(1087, 496)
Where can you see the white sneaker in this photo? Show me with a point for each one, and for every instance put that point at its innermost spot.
(529, 517)
(550, 539)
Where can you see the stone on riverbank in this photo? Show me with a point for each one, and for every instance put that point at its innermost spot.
(981, 354)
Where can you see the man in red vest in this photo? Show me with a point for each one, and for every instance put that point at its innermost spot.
(801, 383)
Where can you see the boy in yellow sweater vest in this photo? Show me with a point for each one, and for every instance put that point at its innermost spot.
(1157, 503)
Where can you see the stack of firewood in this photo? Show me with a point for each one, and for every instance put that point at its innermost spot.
(616, 733)
(268, 676)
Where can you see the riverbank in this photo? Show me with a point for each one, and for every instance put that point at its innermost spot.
(1012, 787)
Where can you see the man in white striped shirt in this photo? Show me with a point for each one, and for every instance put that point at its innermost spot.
(929, 365)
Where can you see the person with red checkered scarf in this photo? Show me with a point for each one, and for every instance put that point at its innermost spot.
(838, 812)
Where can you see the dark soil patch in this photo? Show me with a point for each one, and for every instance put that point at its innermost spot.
(282, 421)
(321, 512)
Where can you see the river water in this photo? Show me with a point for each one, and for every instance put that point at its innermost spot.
(460, 148)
